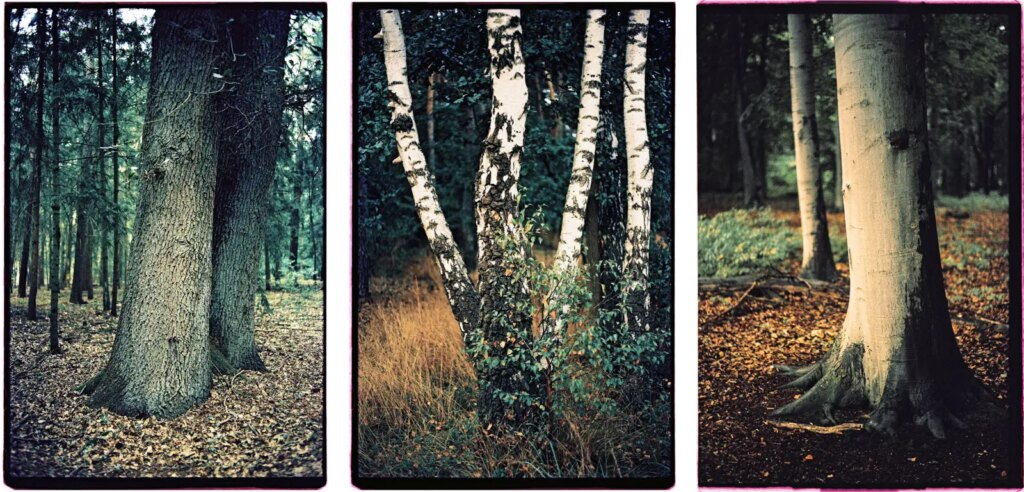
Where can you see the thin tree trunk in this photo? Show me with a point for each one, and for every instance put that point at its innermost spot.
(55, 279)
(248, 120)
(817, 261)
(896, 353)
(837, 178)
(160, 363)
(574, 212)
(640, 177)
(539, 95)
(26, 244)
(747, 166)
(37, 169)
(556, 127)
(114, 102)
(462, 296)
(102, 151)
(266, 263)
(431, 154)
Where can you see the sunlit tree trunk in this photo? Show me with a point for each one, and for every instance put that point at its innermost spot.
(461, 294)
(896, 353)
(248, 121)
(37, 168)
(574, 212)
(160, 363)
(55, 250)
(640, 176)
(817, 261)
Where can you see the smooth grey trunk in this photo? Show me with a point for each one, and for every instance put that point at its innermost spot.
(160, 364)
(639, 178)
(896, 354)
(817, 262)
(248, 121)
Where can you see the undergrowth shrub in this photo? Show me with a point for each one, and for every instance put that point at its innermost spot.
(975, 201)
(740, 242)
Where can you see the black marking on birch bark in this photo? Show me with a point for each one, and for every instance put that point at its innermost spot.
(635, 110)
(402, 123)
(587, 155)
(394, 98)
(641, 146)
(600, 19)
(395, 82)
(639, 68)
(590, 117)
(635, 31)
(899, 139)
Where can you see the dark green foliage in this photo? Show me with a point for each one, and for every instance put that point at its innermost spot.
(740, 242)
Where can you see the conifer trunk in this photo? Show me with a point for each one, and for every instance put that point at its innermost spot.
(160, 364)
(817, 261)
(102, 151)
(55, 250)
(37, 169)
(114, 102)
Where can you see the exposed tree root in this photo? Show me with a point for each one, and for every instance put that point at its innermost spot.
(817, 429)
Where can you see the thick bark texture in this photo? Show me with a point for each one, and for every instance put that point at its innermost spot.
(640, 176)
(55, 192)
(34, 273)
(457, 286)
(574, 213)
(161, 361)
(248, 120)
(896, 353)
(817, 261)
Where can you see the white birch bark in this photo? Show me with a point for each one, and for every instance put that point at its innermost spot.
(896, 353)
(460, 291)
(640, 175)
(574, 212)
(817, 251)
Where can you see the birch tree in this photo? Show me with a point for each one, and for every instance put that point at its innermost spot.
(574, 213)
(640, 175)
(817, 260)
(896, 354)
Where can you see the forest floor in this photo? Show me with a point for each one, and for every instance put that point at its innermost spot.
(255, 424)
(739, 342)
(416, 396)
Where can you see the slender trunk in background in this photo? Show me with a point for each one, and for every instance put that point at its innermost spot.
(26, 243)
(55, 190)
(575, 208)
(160, 363)
(266, 263)
(837, 177)
(467, 225)
(114, 102)
(640, 177)
(896, 354)
(102, 166)
(556, 127)
(539, 95)
(66, 260)
(37, 169)
(363, 267)
(817, 261)
(462, 296)
(750, 195)
(431, 154)
(248, 121)
(296, 221)
(90, 252)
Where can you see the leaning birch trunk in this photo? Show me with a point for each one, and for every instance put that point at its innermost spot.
(573, 215)
(505, 320)
(457, 285)
(896, 354)
(817, 261)
(639, 176)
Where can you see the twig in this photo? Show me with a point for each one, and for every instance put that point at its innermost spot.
(734, 306)
(817, 429)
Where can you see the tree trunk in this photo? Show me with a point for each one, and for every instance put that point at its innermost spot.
(160, 363)
(102, 151)
(556, 127)
(817, 261)
(747, 166)
(539, 96)
(363, 266)
(26, 243)
(640, 177)
(296, 221)
(55, 192)
(467, 225)
(248, 120)
(837, 178)
(114, 102)
(462, 296)
(431, 154)
(896, 353)
(266, 263)
(504, 389)
(574, 212)
(37, 169)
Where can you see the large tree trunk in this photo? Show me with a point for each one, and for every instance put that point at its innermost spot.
(461, 294)
(575, 209)
(114, 102)
(640, 177)
(55, 191)
(896, 353)
(817, 261)
(37, 169)
(249, 128)
(160, 363)
(504, 391)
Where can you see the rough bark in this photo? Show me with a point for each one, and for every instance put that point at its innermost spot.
(817, 260)
(574, 211)
(896, 353)
(499, 236)
(34, 272)
(462, 296)
(55, 190)
(161, 361)
(248, 120)
(640, 176)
